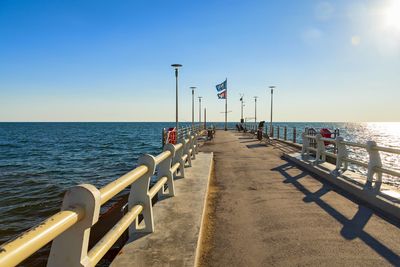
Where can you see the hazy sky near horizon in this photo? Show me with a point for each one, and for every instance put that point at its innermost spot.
(110, 60)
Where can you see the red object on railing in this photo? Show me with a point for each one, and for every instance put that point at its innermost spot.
(171, 136)
(326, 134)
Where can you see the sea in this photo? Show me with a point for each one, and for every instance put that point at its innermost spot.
(40, 161)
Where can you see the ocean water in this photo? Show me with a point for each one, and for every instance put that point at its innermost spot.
(40, 161)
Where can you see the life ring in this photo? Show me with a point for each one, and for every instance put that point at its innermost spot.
(171, 136)
(326, 133)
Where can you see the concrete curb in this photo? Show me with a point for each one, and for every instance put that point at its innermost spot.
(201, 231)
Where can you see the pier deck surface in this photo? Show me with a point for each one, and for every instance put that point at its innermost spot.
(177, 223)
(265, 211)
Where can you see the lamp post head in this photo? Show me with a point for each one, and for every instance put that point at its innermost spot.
(176, 66)
(272, 88)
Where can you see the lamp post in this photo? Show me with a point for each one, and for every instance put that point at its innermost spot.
(199, 97)
(193, 87)
(176, 67)
(255, 110)
(272, 101)
(241, 107)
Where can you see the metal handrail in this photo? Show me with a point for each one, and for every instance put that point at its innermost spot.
(108, 240)
(163, 156)
(17, 250)
(113, 188)
(155, 188)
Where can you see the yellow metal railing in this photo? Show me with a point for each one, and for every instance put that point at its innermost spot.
(22, 247)
(113, 188)
(169, 161)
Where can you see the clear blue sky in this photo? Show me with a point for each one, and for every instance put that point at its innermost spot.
(110, 60)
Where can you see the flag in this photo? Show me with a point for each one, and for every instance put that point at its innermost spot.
(222, 86)
(222, 95)
(241, 99)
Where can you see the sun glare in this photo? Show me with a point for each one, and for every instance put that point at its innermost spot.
(392, 15)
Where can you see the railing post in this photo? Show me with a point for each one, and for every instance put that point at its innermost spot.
(285, 133)
(164, 170)
(178, 158)
(272, 132)
(278, 132)
(186, 151)
(192, 145)
(294, 134)
(71, 247)
(305, 146)
(163, 137)
(342, 154)
(374, 161)
(320, 154)
(139, 195)
(196, 143)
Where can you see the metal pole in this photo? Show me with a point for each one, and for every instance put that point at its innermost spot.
(226, 111)
(294, 134)
(255, 111)
(272, 97)
(205, 118)
(163, 136)
(176, 67)
(285, 133)
(199, 110)
(176, 100)
(241, 117)
(193, 107)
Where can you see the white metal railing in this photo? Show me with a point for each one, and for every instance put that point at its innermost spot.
(374, 165)
(252, 128)
(70, 228)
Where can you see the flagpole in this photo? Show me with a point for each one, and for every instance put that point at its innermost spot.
(226, 107)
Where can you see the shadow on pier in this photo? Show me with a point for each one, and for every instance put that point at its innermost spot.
(265, 211)
(353, 228)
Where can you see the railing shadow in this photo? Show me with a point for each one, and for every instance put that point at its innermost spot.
(284, 148)
(353, 228)
(249, 141)
(245, 137)
(257, 145)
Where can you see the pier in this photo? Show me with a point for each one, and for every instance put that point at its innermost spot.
(264, 211)
(227, 200)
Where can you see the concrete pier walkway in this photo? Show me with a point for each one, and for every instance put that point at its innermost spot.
(177, 222)
(264, 211)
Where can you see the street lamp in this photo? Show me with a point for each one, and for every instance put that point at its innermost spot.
(176, 67)
(272, 101)
(199, 97)
(255, 110)
(193, 87)
(241, 106)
